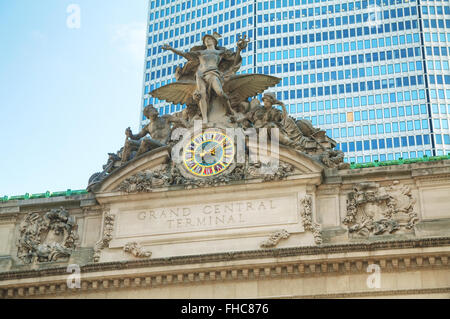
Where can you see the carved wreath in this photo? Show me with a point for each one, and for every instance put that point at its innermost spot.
(46, 238)
(373, 210)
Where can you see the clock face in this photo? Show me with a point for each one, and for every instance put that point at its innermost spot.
(208, 154)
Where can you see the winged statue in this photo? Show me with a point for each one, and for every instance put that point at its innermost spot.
(209, 78)
(213, 93)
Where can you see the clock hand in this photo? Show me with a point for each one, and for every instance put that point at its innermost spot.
(203, 153)
(209, 151)
(214, 148)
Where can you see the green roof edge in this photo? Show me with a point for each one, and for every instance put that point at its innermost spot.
(70, 192)
(400, 161)
(47, 194)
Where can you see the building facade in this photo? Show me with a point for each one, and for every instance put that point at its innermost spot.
(374, 74)
(304, 236)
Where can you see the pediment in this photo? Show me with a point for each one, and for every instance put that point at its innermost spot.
(155, 169)
(149, 161)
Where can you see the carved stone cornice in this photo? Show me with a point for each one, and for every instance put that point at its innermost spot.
(374, 293)
(124, 276)
(423, 170)
(328, 190)
(9, 218)
(249, 265)
(433, 180)
(242, 255)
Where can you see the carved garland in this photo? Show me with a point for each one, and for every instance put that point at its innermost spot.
(308, 223)
(275, 238)
(47, 238)
(136, 250)
(171, 175)
(108, 228)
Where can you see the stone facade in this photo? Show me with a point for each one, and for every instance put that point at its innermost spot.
(312, 232)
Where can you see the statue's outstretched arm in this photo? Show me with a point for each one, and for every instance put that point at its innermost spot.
(138, 136)
(283, 107)
(187, 56)
(241, 45)
(173, 119)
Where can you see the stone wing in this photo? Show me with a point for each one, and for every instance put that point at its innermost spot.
(241, 87)
(176, 93)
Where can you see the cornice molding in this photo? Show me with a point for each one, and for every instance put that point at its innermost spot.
(268, 264)
(234, 256)
(373, 293)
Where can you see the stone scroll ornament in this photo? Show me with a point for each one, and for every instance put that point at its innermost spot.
(47, 238)
(307, 219)
(107, 235)
(375, 210)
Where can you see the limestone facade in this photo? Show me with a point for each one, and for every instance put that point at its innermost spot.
(312, 232)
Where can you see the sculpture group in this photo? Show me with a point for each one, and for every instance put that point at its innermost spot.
(213, 93)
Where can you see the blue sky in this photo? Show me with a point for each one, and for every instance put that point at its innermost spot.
(66, 95)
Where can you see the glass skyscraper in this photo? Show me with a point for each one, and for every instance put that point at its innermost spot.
(374, 74)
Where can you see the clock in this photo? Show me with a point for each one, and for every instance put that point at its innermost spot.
(209, 153)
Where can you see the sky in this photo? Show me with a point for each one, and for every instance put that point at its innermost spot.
(68, 90)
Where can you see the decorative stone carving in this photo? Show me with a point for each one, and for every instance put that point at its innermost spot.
(170, 175)
(334, 159)
(213, 92)
(47, 238)
(136, 250)
(159, 129)
(275, 238)
(375, 210)
(307, 219)
(108, 228)
(209, 79)
(113, 162)
(255, 171)
(145, 181)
